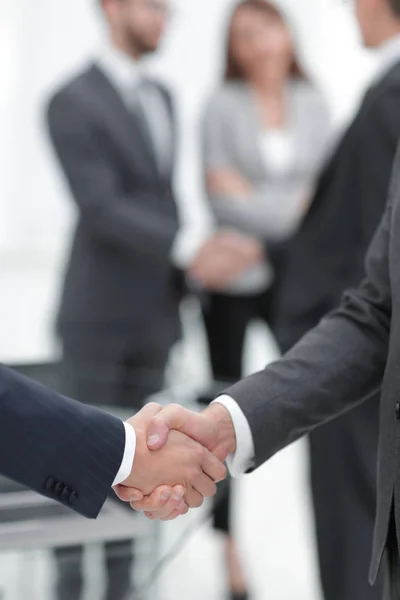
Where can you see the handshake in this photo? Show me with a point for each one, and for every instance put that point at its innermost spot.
(178, 459)
(224, 257)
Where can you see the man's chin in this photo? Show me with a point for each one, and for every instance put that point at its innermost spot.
(149, 46)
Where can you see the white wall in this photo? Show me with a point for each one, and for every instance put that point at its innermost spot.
(41, 42)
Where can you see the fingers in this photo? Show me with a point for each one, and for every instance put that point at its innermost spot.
(194, 425)
(182, 510)
(213, 467)
(155, 501)
(149, 410)
(127, 494)
(193, 498)
(174, 504)
(205, 486)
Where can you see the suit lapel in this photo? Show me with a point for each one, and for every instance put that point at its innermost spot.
(129, 129)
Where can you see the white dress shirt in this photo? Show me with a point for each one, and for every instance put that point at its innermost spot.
(389, 54)
(129, 454)
(278, 150)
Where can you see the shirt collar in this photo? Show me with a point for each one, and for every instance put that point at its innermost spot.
(123, 71)
(388, 55)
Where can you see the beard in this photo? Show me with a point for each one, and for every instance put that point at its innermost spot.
(140, 44)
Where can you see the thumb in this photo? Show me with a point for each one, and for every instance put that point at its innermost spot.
(194, 425)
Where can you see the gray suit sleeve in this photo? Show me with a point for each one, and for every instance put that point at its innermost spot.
(337, 365)
(95, 186)
(56, 446)
(271, 221)
(274, 211)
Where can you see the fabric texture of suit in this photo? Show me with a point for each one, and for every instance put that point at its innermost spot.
(119, 282)
(324, 258)
(352, 354)
(58, 447)
(327, 254)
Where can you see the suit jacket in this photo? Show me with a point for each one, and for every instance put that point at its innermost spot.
(352, 354)
(56, 446)
(119, 271)
(327, 254)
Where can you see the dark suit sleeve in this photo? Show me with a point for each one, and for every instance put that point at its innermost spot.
(126, 222)
(334, 367)
(58, 447)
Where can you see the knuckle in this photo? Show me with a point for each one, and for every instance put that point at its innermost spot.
(177, 409)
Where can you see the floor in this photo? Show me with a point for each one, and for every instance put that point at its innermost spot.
(273, 522)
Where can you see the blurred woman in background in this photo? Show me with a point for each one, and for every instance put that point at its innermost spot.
(265, 137)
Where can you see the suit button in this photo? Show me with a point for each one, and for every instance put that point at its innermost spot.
(398, 411)
(65, 494)
(59, 489)
(49, 484)
(73, 497)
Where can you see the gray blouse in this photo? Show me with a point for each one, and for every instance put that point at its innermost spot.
(234, 138)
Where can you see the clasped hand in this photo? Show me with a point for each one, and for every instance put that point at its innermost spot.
(178, 460)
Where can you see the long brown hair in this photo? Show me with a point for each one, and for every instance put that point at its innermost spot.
(233, 70)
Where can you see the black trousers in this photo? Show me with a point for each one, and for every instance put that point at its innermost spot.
(107, 369)
(392, 591)
(226, 319)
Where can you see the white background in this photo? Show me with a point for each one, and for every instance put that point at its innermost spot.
(41, 43)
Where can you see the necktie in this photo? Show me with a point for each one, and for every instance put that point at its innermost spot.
(152, 105)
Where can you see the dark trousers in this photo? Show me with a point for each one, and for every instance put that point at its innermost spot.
(392, 591)
(111, 370)
(226, 319)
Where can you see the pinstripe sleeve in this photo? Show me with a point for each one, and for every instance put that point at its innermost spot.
(58, 447)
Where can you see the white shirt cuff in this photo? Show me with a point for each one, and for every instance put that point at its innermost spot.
(243, 459)
(129, 455)
(186, 246)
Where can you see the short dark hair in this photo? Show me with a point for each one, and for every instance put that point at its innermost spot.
(395, 6)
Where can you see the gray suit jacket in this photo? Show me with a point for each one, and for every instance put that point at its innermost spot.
(119, 271)
(352, 354)
(231, 135)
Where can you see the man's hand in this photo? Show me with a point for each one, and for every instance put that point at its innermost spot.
(181, 462)
(224, 257)
(213, 429)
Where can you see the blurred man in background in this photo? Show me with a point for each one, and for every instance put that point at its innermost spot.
(113, 129)
(327, 256)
